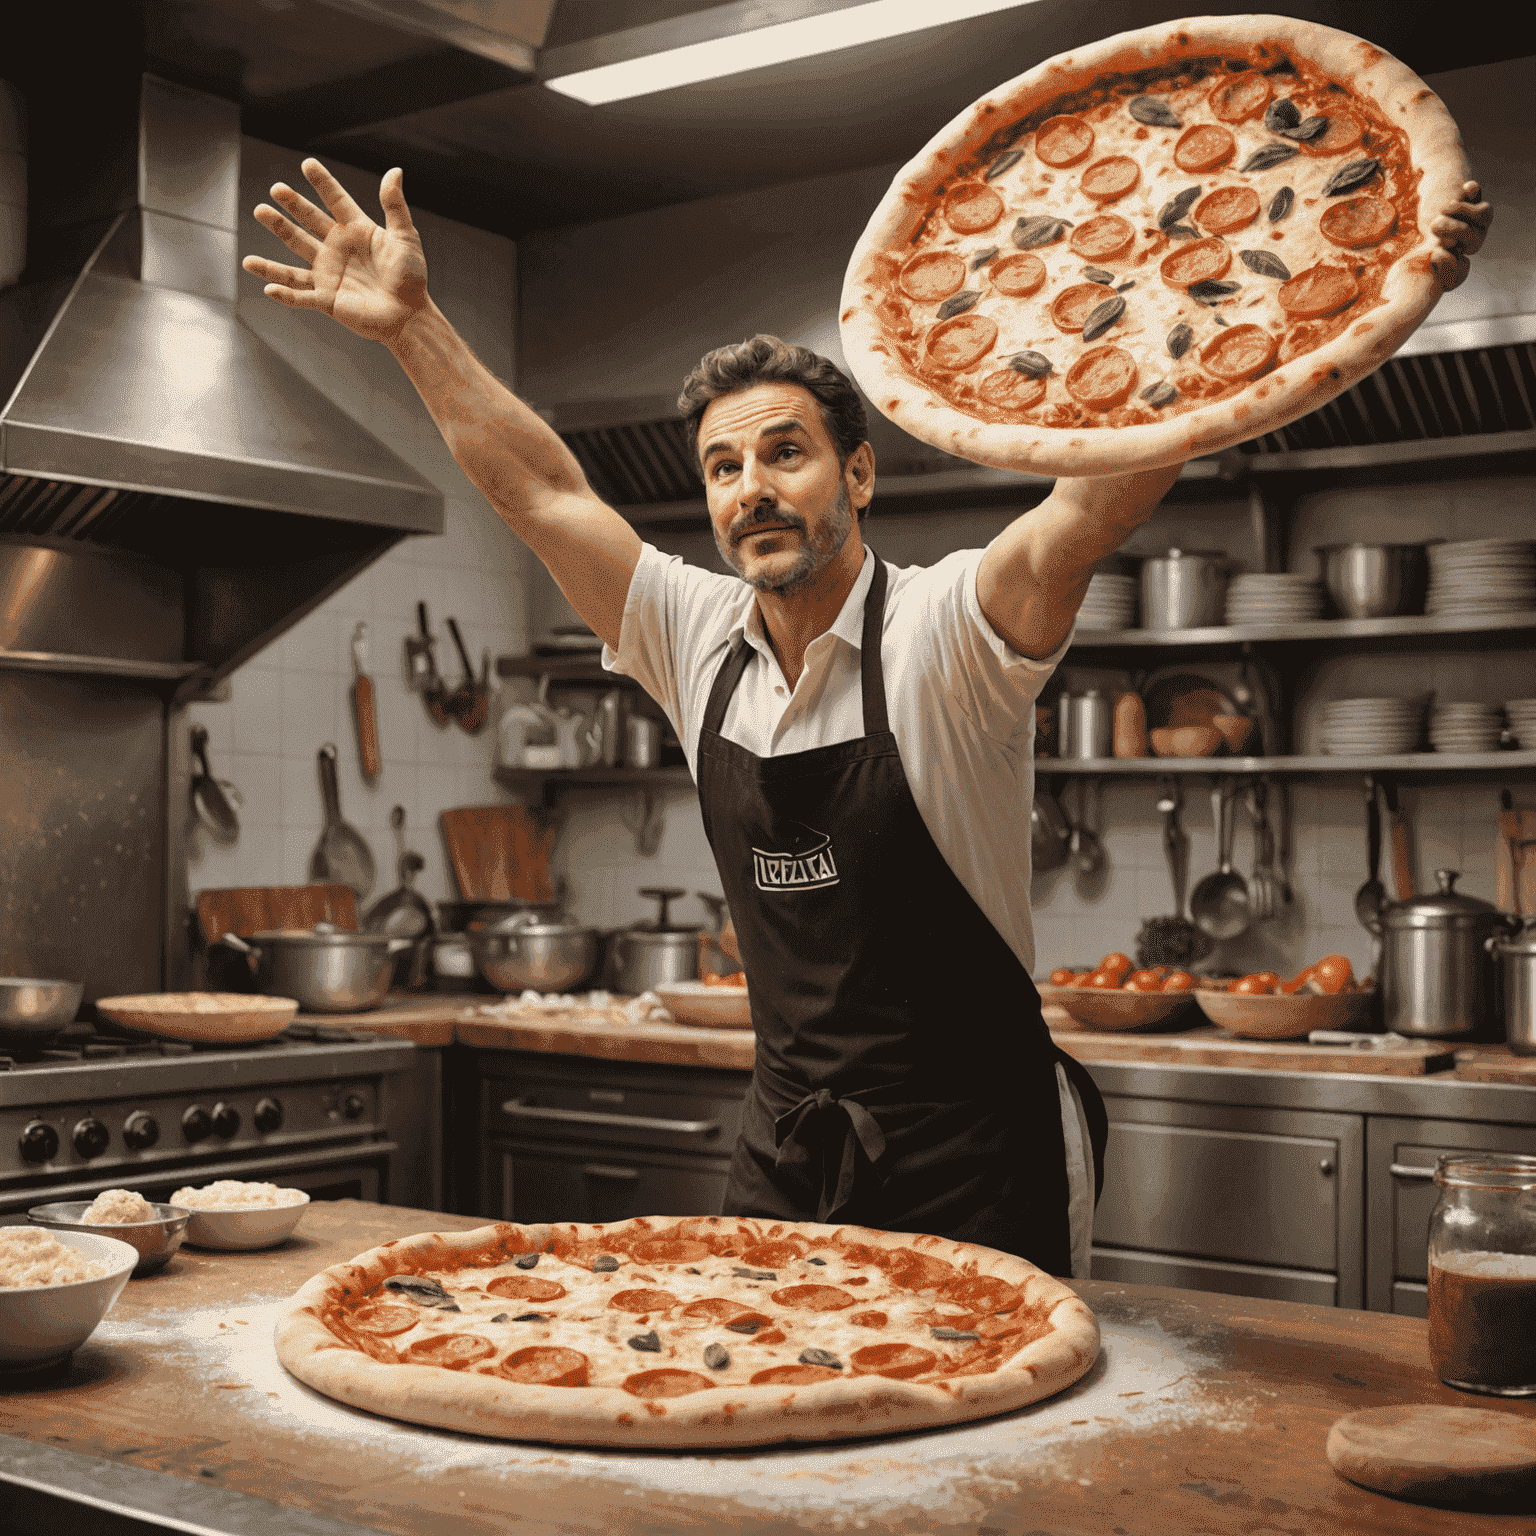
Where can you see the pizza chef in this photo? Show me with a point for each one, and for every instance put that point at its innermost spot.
(861, 736)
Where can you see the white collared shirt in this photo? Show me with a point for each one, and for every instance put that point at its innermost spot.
(961, 705)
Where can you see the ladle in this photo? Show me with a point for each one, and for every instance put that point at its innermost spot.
(1049, 832)
(1371, 895)
(1088, 855)
(1220, 904)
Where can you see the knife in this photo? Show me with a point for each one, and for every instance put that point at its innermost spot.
(364, 708)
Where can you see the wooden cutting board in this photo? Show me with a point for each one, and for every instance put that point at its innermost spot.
(246, 909)
(1495, 1064)
(1213, 1047)
(501, 852)
(1427, 1452)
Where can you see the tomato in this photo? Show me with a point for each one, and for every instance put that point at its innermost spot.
(735, 979)
(1080, 978)
(1062, 976)
(1255, 985)
(1145, 981)
(1297, 982)
(1103, 981)
(1117, 965)
(1332, 974)
(1178, 981)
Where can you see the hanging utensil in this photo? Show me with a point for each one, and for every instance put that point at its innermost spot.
(1397, 840)
(1221, 905)
(1088, 855)
(404, 910)
(1172, 940)
(424, 675)
(365, 715)
(209, 800)
(1371, 895)
(470, 702)
(1049, 832)
(341, 854)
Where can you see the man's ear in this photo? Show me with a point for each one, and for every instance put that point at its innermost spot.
(859, 475)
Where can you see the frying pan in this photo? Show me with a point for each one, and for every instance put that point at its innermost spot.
(208, 797)
(32, 1013)
(341, 854)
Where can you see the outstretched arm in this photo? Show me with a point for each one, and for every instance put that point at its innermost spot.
(373, 280)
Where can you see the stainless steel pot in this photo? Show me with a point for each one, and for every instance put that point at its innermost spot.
(1516, 956)
(328, 970)
(529, 952)
(1375, 581)
(656, 953)
(1436, 975)
(1184, 589)
(32, 1013)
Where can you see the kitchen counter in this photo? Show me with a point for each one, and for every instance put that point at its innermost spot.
(1204, 1412)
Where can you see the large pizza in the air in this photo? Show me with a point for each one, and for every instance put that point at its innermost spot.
(700, 1331)
(1154, 247)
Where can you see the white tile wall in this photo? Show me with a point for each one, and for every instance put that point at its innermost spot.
(293, 697)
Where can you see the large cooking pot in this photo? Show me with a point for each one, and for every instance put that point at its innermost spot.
(33, 1013)
(1516, 956)
(530, 951)
(1184, 589)
(1437, 977)
(656, 952)
(327, 969)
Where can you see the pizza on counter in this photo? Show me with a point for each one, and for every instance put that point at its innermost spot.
(1155, 247)
(699, 1331)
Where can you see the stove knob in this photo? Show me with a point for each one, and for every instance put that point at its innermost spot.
(226, 1120)
(195, 1124)
(38, 1143)
(353, 1105)
(91, 1138)
(140, 1132)
(269, 1116)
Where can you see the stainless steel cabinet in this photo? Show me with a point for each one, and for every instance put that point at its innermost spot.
(532, 1184)
(1253, 1202)
(1400, 1194)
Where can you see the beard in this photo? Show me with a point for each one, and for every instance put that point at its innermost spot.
(816, 551)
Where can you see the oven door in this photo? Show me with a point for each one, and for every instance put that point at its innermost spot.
(356, 1172)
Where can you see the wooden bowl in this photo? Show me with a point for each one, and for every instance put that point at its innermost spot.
(1235, 731)
(691, 1002)
(1185, 741)
(1284, 1018)
(230, 1018)
(1114, 1010)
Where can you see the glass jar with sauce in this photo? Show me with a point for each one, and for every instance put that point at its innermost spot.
(1482, 1274)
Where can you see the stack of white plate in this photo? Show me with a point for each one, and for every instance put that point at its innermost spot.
(1274, 599)
(1465, 727)
(1481, 576)
(1110, 603)
(1521, 714)
(1371, 727)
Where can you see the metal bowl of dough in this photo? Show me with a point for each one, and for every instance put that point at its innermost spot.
(156, 1241)
(32, 1013)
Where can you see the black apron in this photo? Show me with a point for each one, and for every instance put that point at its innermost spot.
(905, 1078)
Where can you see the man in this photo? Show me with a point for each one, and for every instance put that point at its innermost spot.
(862, 742)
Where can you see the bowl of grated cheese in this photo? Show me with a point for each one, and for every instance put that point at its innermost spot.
(55, 1287)
(155, 1231)
(233, 1215)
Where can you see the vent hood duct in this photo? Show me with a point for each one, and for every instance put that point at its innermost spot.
(136, 376)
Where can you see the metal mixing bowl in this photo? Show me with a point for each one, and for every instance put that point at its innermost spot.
(1375, 581)
(524, 952)
(155, 1240)
(32, 1013)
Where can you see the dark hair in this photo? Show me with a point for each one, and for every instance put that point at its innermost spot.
(767, 360)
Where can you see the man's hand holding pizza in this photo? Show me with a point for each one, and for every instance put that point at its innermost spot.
(1461, 229)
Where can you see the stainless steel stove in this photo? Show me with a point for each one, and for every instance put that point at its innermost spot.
(309, 1110)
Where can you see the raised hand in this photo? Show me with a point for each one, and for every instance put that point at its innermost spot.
(1460, 228)
(371, 279)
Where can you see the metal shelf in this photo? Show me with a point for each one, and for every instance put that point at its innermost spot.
(1407, 762)
(571, 667)
(1315, 629)
(552, 778)
(99, 666)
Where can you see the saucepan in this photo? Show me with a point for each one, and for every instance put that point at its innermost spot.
(33, 1013)
(329, 970)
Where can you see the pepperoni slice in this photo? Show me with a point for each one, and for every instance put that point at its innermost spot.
(1241, 97)
(667, 1382)
(1360, 221)
(971, 208)
(1101, 379)
(686, 1250)
(773, 1336)
(638, 1301)
(385, 1319)
(525, 1288)
(793, 1375)
(1240, 352)
(898, 1361)
(788, 1250)
(719, 1309)
(1226, 209)
(1109, 178)
(928, 277)
(1073, 305)
(1062, 141)
(1203, 148)
(1343, 132)
(955, 344)
(915, 1271)
(1011, 391)
(869, 1319)
(545, 1365)
(1018, 276)
(1103, 238)
(986, 1293)
(1319, 291)
(452, 1351)
(1198, 261)
(813, 1298)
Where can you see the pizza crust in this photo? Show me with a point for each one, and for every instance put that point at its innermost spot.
(1292, 389)
(729, 1415)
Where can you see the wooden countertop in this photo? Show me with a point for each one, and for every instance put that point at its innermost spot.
(1204, 1413)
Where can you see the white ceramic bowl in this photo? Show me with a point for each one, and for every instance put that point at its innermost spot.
(1113, 1009)
(42, 1325)
(1284, 1018)
(156, 1240)
(691, 1002)
(244, 1227)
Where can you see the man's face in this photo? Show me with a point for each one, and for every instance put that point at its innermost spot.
(778, 500)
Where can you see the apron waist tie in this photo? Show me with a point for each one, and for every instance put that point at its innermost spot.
(811, 1126)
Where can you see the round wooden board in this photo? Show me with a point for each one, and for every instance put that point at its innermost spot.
(1427, 1452)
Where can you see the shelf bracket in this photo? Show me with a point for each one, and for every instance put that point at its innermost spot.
(647, 820)
(1268, 531)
